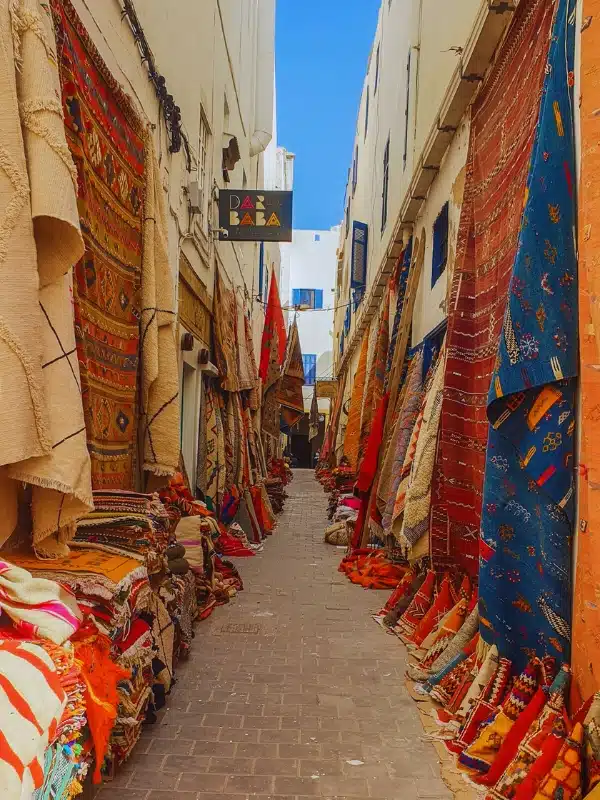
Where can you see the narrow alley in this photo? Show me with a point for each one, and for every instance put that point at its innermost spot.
(291, 690)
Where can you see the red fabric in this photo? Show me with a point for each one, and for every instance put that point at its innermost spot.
(510, 745)
(439, 608)
(274, 326)
(540, 768)
(400, 591)
(420, 605)
(368, 467)
(360, 522)
(503, 125)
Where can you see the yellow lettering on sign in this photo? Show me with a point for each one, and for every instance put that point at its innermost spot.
(260, 202)
(261, 220)
(273, 221)
(247, 220)
(234, 218)
(234, 201)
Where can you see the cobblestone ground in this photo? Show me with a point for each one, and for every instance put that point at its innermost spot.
(291, 691)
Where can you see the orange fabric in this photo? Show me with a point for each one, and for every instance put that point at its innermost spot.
(352, 435)
(586, 612)
(101, 676)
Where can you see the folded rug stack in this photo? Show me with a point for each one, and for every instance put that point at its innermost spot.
(127, 523)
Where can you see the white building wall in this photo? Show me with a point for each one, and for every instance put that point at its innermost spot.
(404, 105)
(312, 265)
(430, 304)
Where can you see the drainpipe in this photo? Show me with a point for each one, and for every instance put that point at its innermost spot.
(265, 69)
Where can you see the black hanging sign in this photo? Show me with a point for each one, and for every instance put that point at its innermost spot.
(255, 216)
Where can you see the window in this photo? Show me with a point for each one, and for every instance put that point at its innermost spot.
(360, 238)
(203, 143)
(347, 219)
(386, 181)
(406, 110)
(432, 344)
(376, 70)
(309, 362)
(440, 244)
(347, 319)
(355, 170)
(317, 237)
(311, 298)
(367, 111)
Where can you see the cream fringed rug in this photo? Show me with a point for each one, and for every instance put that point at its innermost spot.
(41, 416)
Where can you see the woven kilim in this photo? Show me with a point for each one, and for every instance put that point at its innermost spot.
(290, 389)
(503, 127)
(105, 138)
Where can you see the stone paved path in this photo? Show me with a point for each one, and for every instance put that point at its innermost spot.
(286, 685)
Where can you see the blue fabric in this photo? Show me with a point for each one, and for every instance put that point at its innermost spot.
(528, 497)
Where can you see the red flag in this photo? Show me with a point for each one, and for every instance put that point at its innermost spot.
(272, 348)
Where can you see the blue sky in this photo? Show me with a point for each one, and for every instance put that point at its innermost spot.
(322, 51)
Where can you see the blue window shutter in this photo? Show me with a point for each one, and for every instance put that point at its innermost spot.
(311, 298)
(309, 362)
(440, 245)
(360, 238)
(432, 344)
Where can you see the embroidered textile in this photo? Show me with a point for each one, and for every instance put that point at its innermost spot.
(586, 610)
(420, 605)
(215, 446)
(480, 755)
(105, 138)
(592, 744)
(290, 394)
(41, 411)
(417, 505)
(564, 780)
(403, 269)
(528, 502)
(37, 607)
(503, 123)
(484, 706)
(272, 348)
(246, 363)
(549, 721)
(31, 705)
(225, 314)
(376, 375)
(399, 360)
(409, 411)
(439, 608)
(446, 631)
(465, 635)
(352, 434)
